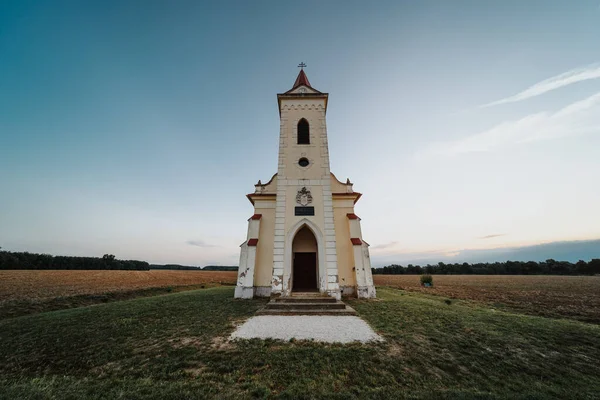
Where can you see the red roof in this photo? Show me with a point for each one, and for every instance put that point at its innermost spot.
(252, 242)
(301, 80)
(356, 241)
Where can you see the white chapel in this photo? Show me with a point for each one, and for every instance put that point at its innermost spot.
(304, 235)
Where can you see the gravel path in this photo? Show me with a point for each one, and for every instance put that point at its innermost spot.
(336, 329)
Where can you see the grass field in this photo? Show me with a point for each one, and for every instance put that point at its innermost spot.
(576, 297)
(174, 346)
(30, 291)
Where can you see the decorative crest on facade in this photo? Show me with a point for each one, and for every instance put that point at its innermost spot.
(304, 197)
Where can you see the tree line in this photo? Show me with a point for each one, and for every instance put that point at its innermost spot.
(25, 260)
(175, 267)
(548, 267)
(220, 268)
(188, 268)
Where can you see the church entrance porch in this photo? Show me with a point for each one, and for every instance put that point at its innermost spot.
(304, 263)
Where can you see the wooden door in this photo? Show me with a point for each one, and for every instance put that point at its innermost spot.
(305, 272)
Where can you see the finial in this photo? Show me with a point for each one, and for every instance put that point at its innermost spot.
(301, 65)
(259, 183)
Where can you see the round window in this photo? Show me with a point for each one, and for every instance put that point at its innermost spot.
(303, 162)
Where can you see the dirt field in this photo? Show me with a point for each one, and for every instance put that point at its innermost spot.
(576, 297)
(41, 285)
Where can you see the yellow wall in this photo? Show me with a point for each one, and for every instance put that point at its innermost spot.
(269, 187)
(263, 271)
(304, 242)
(345, 254)
(337, 186)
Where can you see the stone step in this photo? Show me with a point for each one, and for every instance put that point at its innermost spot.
(309, 299)
(342, 312)
(308, 294)
(312, 305)
(306, 306)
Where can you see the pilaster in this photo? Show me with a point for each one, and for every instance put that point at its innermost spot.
(362, 261)
(245, 282)
(333, 284)
(279, 245)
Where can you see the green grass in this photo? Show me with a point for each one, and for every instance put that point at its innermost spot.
(17, 308)
(173, 346)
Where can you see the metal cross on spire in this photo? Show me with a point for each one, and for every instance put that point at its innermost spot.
(301, 65)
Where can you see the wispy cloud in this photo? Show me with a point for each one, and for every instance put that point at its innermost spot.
(547, 85)
(199, 243)
(452, 254)
(492, 236)
(577, 118)
(384, 246)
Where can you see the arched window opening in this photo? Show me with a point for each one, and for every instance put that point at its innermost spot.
(303, 132)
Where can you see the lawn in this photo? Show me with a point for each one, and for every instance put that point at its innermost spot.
(174, 346)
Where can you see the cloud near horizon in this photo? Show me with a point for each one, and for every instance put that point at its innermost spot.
(199, 243)
(492, 236)
(568, 78)
(384, 246)
(577, 118)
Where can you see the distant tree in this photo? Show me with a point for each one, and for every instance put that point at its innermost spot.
(595, 266)
(583, 268)
(531, 267)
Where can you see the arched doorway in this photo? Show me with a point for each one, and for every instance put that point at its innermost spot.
(304, 261)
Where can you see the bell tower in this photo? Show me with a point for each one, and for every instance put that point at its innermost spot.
(304, 186)
(304, 235)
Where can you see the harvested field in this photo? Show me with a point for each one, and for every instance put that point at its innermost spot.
(31, 291)
(576, 297)
(40, 285)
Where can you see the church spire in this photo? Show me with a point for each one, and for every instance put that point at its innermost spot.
(302, 79)
(302, 88)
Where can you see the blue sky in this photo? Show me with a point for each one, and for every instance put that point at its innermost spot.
(137, 127)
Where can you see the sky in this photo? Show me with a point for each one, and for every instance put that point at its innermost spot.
(136, 128)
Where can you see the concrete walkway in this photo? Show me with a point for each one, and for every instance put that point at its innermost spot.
(329, 329)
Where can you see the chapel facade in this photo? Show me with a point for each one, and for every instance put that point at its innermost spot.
(304, 235)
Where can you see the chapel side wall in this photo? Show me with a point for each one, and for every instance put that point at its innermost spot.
(345, 253)
(264, 254)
